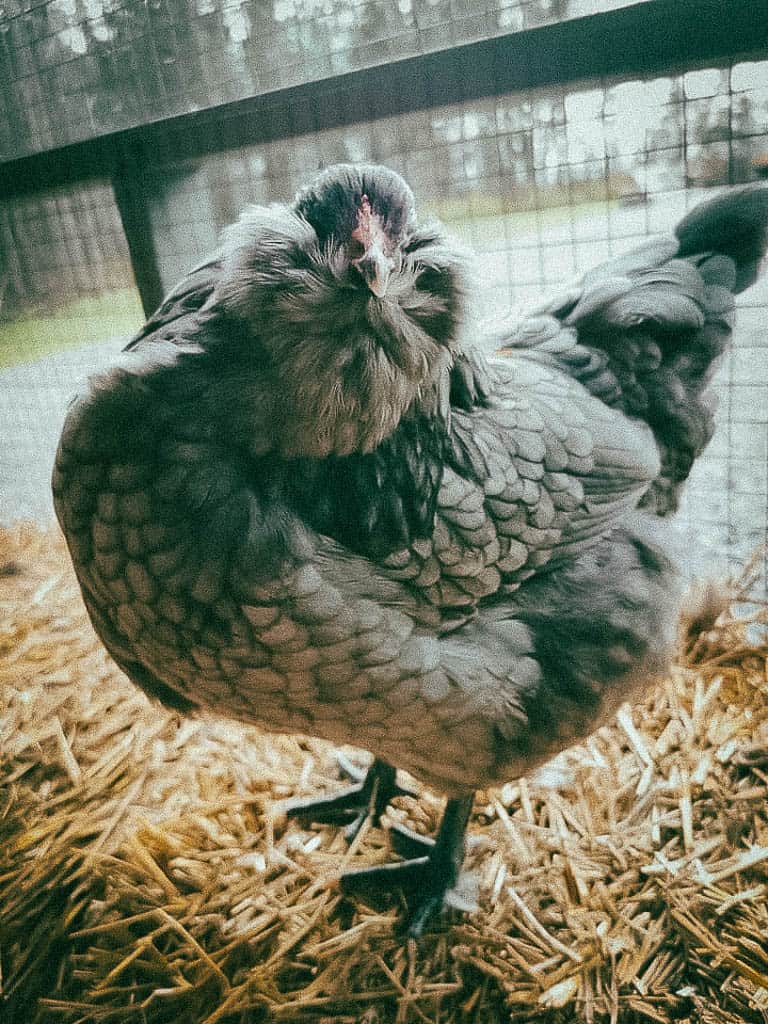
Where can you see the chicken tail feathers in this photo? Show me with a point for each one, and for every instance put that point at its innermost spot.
(733, 225)
(644, 332)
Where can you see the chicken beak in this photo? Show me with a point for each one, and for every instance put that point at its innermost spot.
(375, 269)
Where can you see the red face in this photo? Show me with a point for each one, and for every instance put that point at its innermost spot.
(369, 249)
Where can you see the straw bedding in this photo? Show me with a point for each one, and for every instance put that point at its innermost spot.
(147, 873)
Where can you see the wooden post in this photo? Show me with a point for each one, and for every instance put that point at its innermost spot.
(129, 185)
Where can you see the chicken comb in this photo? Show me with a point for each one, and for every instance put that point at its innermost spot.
(367, 227)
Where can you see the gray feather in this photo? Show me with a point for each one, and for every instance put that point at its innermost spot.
(303, 504)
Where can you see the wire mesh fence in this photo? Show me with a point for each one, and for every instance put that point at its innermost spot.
(62, 244)
(77, 70)
(540, 183)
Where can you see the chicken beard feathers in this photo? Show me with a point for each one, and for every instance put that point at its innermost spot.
(342, 366)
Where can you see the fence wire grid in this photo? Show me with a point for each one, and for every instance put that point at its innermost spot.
(541, 184)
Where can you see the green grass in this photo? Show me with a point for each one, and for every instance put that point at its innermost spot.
(493, 220)
(493, 230)
(488, 221)
(86, 320)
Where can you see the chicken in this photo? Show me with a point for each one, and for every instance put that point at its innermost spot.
(305, 498)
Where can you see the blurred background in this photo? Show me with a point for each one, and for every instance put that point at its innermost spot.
(547, 134)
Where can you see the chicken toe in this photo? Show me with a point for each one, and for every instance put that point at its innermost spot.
(368, 797)
(425, 881)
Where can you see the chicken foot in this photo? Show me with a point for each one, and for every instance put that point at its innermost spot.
(424, 880)
(367, 798)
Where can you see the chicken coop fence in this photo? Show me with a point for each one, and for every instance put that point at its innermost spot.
(541, 133)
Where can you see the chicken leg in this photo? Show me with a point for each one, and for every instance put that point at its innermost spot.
(431, 866)
(426, 879)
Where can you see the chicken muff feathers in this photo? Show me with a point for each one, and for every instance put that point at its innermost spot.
(357, 311)
(306, 499)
